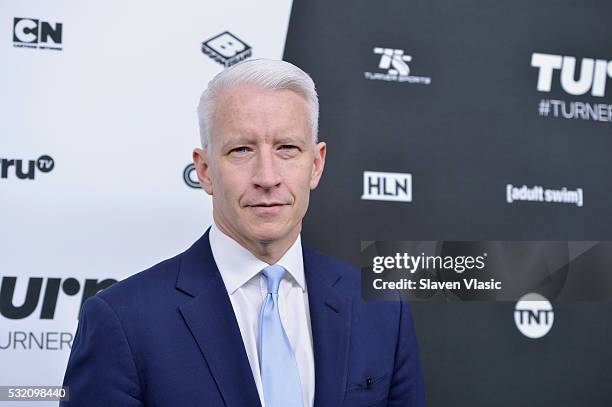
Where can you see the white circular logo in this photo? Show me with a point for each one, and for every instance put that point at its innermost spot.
(533, 315)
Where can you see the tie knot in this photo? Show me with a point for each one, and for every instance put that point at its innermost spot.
(274, 274)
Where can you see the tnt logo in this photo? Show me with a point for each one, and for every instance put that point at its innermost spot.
(393, 60)
(593, 73)
(533, 315)
(226, 48)
(33, 33)
(25, 169)
(387, 186)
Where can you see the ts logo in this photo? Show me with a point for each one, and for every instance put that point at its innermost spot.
(32, 33)
(226, 48)
(393, 58)
(593, 73)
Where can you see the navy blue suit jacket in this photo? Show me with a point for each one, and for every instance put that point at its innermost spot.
(168, 336)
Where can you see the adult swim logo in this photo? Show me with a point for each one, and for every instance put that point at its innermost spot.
(34, 33)
(533, 315)
(22, 169)
(591, 81)
(394, 63)
(226, 49)
(387, 186)
(538, 193)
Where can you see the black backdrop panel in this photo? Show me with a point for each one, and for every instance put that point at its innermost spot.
(477, 127)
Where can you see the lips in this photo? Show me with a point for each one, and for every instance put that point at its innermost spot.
(267, 204)
(266, 208)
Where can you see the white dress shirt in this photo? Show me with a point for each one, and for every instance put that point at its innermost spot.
(247, 288)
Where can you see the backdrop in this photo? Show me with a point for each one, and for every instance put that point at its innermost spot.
(445, 120)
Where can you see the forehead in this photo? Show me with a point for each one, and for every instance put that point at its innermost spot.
(250, 110)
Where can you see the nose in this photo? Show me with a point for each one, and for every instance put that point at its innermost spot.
(267, 172)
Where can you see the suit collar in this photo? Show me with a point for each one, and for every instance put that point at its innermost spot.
(210, 318)
(238, 266)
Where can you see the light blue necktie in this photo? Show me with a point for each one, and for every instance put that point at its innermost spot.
(279, 371)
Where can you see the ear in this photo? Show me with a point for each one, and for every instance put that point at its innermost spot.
(202, 165)
(318, 164)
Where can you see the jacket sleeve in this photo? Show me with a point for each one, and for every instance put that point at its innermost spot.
(407, 389)
(101, 369)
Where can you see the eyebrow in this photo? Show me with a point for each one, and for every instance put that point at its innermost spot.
(238, 140)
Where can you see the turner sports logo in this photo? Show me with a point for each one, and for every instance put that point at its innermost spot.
(226, 49)
(590, 79)
(54, 287)
(394, 63)
(23, 169)
(34, 33)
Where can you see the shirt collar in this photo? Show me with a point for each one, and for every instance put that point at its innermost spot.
(238, 266)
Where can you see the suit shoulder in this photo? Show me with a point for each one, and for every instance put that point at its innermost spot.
(143, 286)
(347, 279)
(331, 262)
(346, 275)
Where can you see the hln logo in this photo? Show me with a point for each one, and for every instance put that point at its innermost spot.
(387, 186)
(33, 33)
(593, 73)
(533, 315)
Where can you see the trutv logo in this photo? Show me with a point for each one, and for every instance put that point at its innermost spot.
(34, 294)
(34, 33)
(593, 73)
(23, 169)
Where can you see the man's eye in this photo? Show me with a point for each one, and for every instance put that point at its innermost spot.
(288, 147)
(239, 150)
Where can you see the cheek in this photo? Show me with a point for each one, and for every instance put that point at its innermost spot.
(228, 186)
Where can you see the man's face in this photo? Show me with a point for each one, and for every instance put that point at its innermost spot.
(260, 165)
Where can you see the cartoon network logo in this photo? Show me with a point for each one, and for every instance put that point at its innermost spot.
(593, 73)
(394, 65)
(34, 33)
(387, 186)
(533, 315)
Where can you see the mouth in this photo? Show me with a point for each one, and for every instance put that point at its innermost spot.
(267, 204)
(266, 208)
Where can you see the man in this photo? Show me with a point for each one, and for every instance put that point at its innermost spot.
(248, 315)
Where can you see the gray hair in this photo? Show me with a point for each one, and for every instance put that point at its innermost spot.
(265, 73)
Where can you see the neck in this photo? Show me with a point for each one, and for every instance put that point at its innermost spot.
(268, 251)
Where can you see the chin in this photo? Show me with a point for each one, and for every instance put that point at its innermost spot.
(268, 233)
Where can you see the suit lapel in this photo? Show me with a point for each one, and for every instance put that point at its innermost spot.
(330, 319)
(211, 320)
